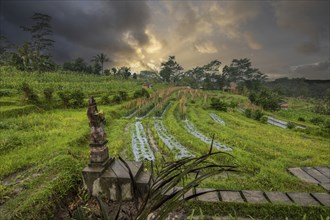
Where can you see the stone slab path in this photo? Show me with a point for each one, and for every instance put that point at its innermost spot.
(315, 175)
(260, 197)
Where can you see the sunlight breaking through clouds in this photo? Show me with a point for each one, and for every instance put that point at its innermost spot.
(274, 35)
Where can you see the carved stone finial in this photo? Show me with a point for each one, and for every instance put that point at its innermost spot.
(99, 151)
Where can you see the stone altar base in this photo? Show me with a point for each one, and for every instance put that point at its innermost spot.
(111, 180)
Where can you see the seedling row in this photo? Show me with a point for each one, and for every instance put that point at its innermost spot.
(192, 130)
(140, 145)
(170, 142)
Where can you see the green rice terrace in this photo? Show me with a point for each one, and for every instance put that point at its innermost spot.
(44, 137)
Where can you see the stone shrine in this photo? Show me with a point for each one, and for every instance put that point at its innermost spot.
(109, 177)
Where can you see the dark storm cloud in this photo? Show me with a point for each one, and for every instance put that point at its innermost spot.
(274, 35)
(310, 18)
(308, 47)
(313, 69)
(85, 26)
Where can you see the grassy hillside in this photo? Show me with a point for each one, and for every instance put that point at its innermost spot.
(263, 152)
(42, 149)
(44, 145)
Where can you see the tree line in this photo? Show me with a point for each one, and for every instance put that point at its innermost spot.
(35, 54)
(209, 76)
(239, 75)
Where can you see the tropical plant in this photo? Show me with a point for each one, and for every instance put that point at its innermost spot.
(164, 194)
(41, 43)
(101, 59)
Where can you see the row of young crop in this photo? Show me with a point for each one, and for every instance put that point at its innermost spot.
(172, 144)
(192, 130)
(139, 139)
(140, 145)
(217, 119)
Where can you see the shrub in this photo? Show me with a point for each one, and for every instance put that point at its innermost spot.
(5, 92)
(158, 112)
(233, 104)
(105, 100)
(218, 105)
(48, 94)
(65, 97)
(116, 99)
(322, 107)
(317, 121)
(264, 119)
(253, 97)
(258, 114)
(301, 119)
(73, 99)
(29, 95)
(141, 93)
(123, 95)
(291, 125)
(77, 98)
(248, 113)
(267, 99)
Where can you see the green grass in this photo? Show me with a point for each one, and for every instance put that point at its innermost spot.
(38, 146)
(43, 150)
(262, 151)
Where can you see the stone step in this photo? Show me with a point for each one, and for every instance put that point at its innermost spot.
(326, 186)
(254, 196)
(278, 197)
(323, 198)
(231, 196)
(207, 197)
(304, 199)
(316, 174)
(302, 175)
(324, 170)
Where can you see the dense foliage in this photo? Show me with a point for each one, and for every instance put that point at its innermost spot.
(300, 87)
(266, 99)
(219, 105)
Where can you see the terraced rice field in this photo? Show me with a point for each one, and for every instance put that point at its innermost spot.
(43, 150)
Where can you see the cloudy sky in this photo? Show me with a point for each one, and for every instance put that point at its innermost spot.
(281, 38)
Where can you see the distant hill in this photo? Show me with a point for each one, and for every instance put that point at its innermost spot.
(297, 87)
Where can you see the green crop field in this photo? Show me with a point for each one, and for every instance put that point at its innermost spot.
(44, 145)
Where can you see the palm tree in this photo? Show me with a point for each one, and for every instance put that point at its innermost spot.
(101, 58)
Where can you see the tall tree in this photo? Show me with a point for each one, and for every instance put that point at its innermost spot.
(205, 76)
(41, 43)
(241, 72)
(101, 59)
(124, 72)
(5, 48)
(114, 70)
(170, 69)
